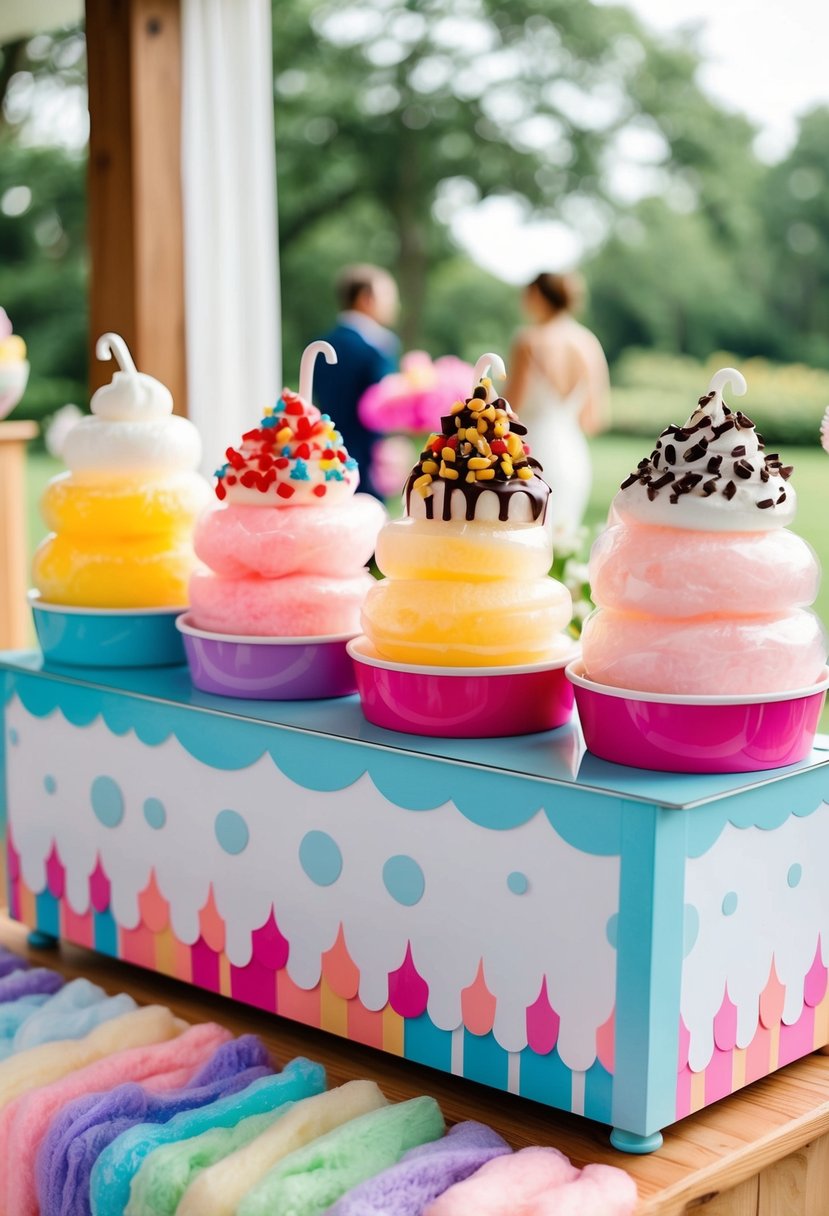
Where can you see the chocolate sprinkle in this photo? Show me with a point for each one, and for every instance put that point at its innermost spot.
(714, 464)
(730, 490)
(697, 451)
(670, 453)
(740, 450)
(765, 502)
(743, 469)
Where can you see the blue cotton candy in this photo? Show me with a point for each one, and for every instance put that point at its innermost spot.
(118, 1164)
(12, 1016)
(70, 1014)
(28, 982)
(83, 1129)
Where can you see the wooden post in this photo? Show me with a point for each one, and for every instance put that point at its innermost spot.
(14, 558)
(135, 198)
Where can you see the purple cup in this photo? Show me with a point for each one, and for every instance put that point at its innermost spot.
(267, 669)
(697, 734)
(462, 702)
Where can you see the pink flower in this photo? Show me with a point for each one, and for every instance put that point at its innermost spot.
(412, 400)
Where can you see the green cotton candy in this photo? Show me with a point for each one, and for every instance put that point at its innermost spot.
(164, 1176)
(309, 1181)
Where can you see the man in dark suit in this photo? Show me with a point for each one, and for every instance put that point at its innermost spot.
(366, 350)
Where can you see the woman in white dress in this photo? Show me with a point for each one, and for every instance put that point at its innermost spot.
(559, 387)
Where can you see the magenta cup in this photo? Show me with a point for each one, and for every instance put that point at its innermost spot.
(268, 669)
(696, 734)
(462, 702)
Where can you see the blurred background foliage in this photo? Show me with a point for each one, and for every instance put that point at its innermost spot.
(393, 115)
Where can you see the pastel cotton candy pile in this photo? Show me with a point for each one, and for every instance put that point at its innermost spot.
(28, 1124)
(78, 1134)
(121, 519)
(24, 982)
(423, 1174)
(41, 1065)
(10, 962)
(13, 1014)
(116, 1167)
(310, 1180)
(287, 553)
(70, 1014)
(161, 1181)
(539, 1182)
(700, 587)
(220, 1189)
(467, 569)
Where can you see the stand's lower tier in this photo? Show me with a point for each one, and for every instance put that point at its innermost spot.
(603, 954)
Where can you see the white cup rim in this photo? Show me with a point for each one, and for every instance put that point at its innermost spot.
(38, 604)
(184, 625)
(575, 674)
(362, 651)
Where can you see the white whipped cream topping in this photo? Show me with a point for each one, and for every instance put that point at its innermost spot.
(132, 427)
(713, 476)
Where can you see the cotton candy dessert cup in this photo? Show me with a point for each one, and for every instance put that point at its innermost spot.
(268, 669)
(697, 734)
(107, 637)
(462, 702)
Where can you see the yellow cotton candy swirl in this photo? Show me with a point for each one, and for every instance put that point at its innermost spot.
(121, 519)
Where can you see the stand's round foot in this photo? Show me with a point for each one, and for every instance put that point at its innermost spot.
(38, 940)
(629, 1142)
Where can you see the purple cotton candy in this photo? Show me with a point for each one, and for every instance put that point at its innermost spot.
(423, 1174)
(25, 983)
(84, 1128)
(11, 962)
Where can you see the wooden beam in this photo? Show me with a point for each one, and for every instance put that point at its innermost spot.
(135, 196)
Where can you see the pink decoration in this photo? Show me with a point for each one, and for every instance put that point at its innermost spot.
(5, 325)
(814, 986)
(413, 399)
(340, 970)
(254, 984)
(55, 873)
(684, 1044)
(12, 857)
(718, 1076)
(725, 1024)
(606, 1043)
(797, 1040)
(211, 925)
(154, 908)
(269, 947)
(408, 991)
(478, 1005)
(99, 888)
(772, 1000)
(542, 1023)
(205, 964)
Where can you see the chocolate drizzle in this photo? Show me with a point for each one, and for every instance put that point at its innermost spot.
(479, 451)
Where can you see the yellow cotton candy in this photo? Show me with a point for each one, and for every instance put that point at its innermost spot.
(115, 572)
(467, 624)
(476, 551)
(123, 507)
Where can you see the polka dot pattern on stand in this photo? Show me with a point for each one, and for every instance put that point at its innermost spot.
(518, 883)
(404, 881)
(232, 832)
(795, 874)
(50, 784)
(155, 813)
(320, 858)
(729, 903)
(107, 801)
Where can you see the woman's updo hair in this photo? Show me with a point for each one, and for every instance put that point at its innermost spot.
(563, 292)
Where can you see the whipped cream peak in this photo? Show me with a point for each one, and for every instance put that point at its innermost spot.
(824, 431)
(711, 474)
(294, 457)
(479, 465)
(131, 396)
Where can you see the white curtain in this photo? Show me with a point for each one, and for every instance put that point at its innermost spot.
(230, 246)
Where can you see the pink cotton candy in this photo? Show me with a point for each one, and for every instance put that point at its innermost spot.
(237, 541)
(299, 605)
(705, 655)
(539, 1182)
(25, 1121)
(668, 572)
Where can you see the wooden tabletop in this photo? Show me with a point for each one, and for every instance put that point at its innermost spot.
(764, 1141)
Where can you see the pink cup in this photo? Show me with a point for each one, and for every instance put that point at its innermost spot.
(461, 702)
(696, 734)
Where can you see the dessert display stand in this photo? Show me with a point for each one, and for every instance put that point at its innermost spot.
(628, 946)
